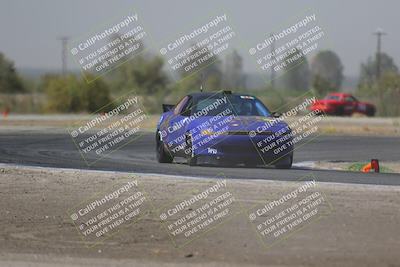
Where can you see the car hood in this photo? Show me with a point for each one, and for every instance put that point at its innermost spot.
(326, 101)
(239, 123)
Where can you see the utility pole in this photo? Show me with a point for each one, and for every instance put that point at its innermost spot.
(273, 60)
(379, 33)
(64, 43)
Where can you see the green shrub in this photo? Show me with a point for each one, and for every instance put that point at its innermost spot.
(68, 94)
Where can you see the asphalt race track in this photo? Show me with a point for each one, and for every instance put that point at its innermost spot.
(57, 150)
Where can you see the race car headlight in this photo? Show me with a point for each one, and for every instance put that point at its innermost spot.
(211, 132)
(207, 132)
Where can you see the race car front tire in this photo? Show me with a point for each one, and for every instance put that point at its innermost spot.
(370, 111)
(285, 162)
(163, 156)
(192, 161)
(339, 111)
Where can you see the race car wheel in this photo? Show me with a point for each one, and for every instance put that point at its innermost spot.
(163, 156)
(339, 111)
(370, 111)
(192, 159)
(285, 162)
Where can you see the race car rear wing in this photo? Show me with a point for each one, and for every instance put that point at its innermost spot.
(167, 107)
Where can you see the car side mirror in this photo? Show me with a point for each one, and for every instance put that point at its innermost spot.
(276, 114)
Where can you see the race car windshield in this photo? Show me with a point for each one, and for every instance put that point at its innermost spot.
(230, 105)
(332, 97)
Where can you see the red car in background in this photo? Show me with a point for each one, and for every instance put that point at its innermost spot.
(342, 104)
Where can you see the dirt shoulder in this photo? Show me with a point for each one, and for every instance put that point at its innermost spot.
(362, 228)
(385, 167)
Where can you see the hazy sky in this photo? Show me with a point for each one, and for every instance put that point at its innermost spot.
(29, 29)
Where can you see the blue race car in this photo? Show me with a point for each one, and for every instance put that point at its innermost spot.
(223, 128)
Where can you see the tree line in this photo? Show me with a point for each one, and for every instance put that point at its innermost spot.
(147, 75)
